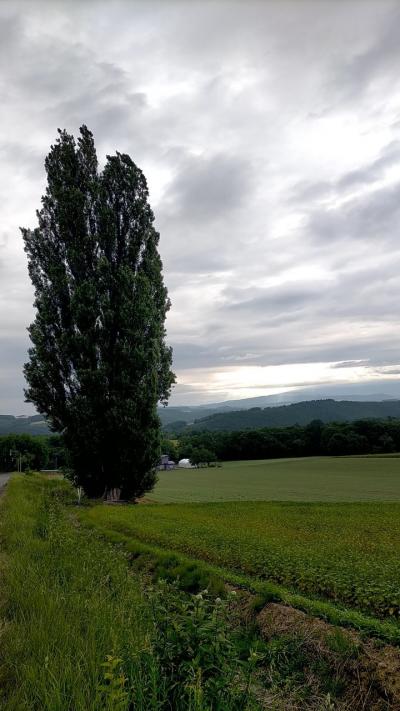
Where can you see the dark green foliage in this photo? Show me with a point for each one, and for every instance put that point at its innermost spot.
(337, 444)
(386, 443)
(170, 447)
(187, 574)
(201, 455)
(300, 413)
(199, 646)
(190, 577)
(99, 364)
(34, 452)
(174, 426)
(338, 438)
(57, 458)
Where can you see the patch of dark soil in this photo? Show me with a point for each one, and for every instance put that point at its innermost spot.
(368, 670)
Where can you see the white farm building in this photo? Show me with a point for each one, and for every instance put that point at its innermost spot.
(185, 464)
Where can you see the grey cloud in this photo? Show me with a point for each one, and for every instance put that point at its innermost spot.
(189, 355)
(351, 363)
(307, 192)
(303, 326)
(363, 296)
(62, 82)
(11, 28)
(389, 371)
(368, 66)
(276, 300)
(13, 354)
(12, 397)
(207, 187)
(289, 350)
(25, 160)
(361, 176)
(373, 172)
(188, 259)
(370, 216)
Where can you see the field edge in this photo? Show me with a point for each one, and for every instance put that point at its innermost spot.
(168, 560)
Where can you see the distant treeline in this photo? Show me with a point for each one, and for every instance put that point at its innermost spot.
(374, 436)
(314, 439)
(299, 413)
(32, 452)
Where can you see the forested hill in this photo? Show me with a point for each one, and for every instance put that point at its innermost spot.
(300, 413)
(33, 425)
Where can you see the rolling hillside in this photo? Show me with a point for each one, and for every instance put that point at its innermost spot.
(179, 419)
(174, 417)
(300, 413)
(33, 425)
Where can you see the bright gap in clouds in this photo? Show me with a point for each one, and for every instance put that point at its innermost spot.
(251, 381)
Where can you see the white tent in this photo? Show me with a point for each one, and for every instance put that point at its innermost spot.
(185, 464)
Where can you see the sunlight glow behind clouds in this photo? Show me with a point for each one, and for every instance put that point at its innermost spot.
(241, 382)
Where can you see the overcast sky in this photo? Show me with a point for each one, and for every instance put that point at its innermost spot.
(269, 133)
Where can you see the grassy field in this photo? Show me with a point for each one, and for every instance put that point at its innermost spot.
(347, 552)
(80, 632)
(305, 479)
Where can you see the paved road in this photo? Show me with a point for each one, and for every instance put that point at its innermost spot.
(3, 480)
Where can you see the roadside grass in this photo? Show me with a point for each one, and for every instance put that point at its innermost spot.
(355, 478)
(80, 632)
(339, 562)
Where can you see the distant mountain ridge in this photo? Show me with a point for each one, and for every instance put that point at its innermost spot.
(176, 418)
(33, 425)
(299, 413)
(356, 392)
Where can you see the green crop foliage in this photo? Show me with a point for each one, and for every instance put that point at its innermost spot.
(345, 553)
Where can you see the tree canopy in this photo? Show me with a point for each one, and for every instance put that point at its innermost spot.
(99, 363)
(315, 439)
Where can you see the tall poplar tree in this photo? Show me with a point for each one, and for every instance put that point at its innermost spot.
(99, 363)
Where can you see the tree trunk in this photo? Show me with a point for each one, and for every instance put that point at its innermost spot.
(112, 494)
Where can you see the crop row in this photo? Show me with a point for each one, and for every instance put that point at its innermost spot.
(343, 552)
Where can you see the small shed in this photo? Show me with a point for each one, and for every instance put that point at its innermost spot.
(166, 462)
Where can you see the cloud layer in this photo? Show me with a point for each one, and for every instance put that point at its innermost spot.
(270, 136)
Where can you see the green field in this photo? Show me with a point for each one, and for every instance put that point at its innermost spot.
(327, 528)
(348, 552)
(305, 479)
